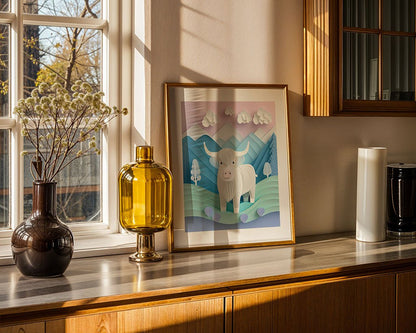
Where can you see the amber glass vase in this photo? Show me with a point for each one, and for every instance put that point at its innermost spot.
(145, 202)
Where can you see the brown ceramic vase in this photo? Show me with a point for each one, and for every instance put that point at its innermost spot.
(42, 245)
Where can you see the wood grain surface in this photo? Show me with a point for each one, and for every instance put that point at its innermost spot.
(28, 328)
(353, 305)
(406, 302)
(192, 317)
(101, 323)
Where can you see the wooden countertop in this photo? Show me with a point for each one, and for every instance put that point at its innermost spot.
(101, 281)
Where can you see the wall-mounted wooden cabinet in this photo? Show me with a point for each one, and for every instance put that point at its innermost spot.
(359, 58)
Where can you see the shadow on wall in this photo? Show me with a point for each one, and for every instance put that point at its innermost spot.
(168, 43)
(183, 48)
(163, 62)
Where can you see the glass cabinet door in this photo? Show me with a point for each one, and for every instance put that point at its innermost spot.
(378, 50)
(360, 70)
(398, 68)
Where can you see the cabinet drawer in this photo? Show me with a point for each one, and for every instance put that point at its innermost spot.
(26, 328)
(351, 305)
(406, 302)
(190, 317)
(100, 323)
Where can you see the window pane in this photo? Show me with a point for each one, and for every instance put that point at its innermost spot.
(4, 70)
(399, 15)
(4, 179)
(361, 13)
(360, 66)
(71, 54)
(72, 8)
(4, 5)
(398, 68)
(78, 188)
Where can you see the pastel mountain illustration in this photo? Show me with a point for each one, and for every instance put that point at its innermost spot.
(259, 153)
(226, 159)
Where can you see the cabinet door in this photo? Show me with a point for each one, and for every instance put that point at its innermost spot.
(193, 317)
(27, 328)
(101, 323)
(353, 305)
(406, 302)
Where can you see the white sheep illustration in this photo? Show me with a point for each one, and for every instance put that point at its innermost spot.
(233, 179)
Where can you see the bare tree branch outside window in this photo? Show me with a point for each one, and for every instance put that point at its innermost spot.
(70, 54)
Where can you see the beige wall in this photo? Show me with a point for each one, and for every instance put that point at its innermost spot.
(261, 41)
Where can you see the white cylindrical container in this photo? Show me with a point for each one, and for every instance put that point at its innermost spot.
(371, 194)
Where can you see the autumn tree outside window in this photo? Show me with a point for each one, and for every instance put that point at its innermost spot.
(41, 40)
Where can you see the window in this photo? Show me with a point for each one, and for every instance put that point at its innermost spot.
(360, 57)
(73, 39)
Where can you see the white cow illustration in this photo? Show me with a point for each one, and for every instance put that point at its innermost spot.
(233, 180)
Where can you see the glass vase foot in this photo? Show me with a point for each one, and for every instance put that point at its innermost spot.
(145, 257)
(145, 249)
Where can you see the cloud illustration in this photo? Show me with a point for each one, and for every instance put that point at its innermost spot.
(229, 112)
(262, 117)
(210, 119)
(243, 118)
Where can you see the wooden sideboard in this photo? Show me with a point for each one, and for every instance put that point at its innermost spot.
(328, 284)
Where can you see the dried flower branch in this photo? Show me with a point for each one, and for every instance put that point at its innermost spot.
(56, 122)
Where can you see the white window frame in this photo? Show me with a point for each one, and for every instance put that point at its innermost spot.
(117, 77)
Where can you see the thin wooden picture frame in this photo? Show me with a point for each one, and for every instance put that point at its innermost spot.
(229, 152)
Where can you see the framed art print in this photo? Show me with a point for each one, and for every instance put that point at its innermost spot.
(229, 153)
